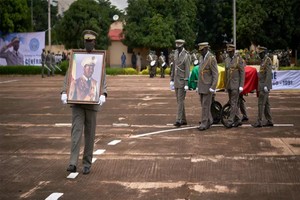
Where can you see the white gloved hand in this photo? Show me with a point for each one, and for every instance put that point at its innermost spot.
(64, 98)
(186, 88)
(241, 89)
(212, 90)
(266, 89)
(196, 89)
(101, 100)
(171, 85)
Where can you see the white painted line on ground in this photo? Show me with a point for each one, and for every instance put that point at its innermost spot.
(192, 127)
(73, 175)
(63, 125)
(31, 191)
(99, 151)
(114, 142)
(94, 160)
(120, 124)
(163, 131)
(54, 196)
(8, 81)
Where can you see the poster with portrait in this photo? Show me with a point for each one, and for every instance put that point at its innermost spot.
(85, 76)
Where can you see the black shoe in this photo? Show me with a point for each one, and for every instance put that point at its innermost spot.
(237, 124)
(201, 128)
(184, 123)
(86, 170)
(229, 125)
(256, 125)
(245, 118)
(268, 123)
(71, 168)
(177, 124)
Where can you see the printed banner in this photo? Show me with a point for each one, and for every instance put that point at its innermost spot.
(22, 48)
(286, 80)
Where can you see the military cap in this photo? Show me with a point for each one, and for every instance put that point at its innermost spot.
(88, 61)
(179, 41)
(15, 39)
(89, 35)
(261, 49)
(230, 47)
(202, 45)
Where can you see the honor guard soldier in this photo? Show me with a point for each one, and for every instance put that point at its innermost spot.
(264, 87)
(162, 64)
(207, 83)
(43, 58)
(179, 80)
(84, 116)
(234, 83)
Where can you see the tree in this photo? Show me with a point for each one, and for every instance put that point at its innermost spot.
(157, 23)
(14, 16)
(82, 15)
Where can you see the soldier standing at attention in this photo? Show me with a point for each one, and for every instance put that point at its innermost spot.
(234, 83)
(43, 57)
(162, 64)
(264, 87)
(179, 79)
(84, 117)
(207, 83)
(48, 63)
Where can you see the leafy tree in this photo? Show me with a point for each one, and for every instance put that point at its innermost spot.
(82, 15)
(267, 23)
(157, 23)
(14, 16)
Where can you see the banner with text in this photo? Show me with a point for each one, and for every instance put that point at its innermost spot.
(285, 80)
(29, 50)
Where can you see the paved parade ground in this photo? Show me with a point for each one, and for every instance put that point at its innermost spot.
(138, 154)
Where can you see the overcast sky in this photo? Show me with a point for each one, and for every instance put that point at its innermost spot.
(121, 4)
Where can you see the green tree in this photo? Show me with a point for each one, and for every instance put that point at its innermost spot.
(266, 23)
(157, 23)
(82, 15)
(14, 16)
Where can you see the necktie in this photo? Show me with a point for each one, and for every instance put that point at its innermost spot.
(89, 82)
(16, 53)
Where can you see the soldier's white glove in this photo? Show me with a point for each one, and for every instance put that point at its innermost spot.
(212, 90)
(241, 89)
(186, 88)
(266, 89)
(196, 89)
(64, 98)
(171, 85)
(101, 100)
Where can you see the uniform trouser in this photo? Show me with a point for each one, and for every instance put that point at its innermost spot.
(152, 71)
(162, 72)
(83, 120)
(180, 97)
(50, 67)
(207, 119)
(264, 107)
(243, 107)
(234, 109)
(43, 68)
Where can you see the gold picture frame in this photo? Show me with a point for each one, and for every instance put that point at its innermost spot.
(85, 76)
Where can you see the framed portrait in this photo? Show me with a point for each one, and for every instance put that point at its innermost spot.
(86, 71)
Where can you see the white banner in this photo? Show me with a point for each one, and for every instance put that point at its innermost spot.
(286, 80)
(30, 48)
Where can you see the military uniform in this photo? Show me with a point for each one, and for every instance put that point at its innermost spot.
(84, 118)
(13, 58)
(162, 64)
(234, 83)
(264, 86)
(43, 57)
(48, 63)
(207, 83)
(179, 76)
(151, 58)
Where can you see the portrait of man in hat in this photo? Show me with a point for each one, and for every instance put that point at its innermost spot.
(13, 57)
(85, 87)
